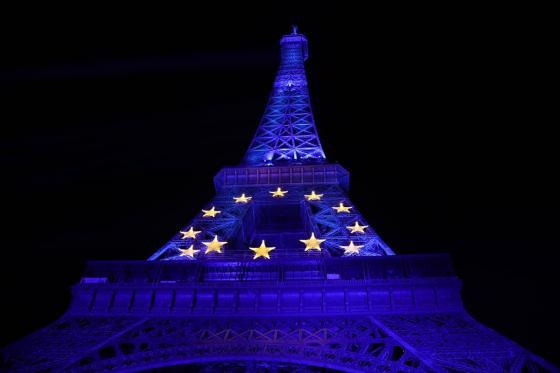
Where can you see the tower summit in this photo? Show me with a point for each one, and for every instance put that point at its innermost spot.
(287, 132)
(278, 272)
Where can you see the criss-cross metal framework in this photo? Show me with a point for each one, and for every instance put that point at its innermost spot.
(345, 303)
(361, 314)
(287, 131)
(234, 225)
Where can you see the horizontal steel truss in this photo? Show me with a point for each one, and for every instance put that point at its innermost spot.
(310, 174)
(437, 342)
(333, 297)
(347, 344)
(287, 130)
(360, 285)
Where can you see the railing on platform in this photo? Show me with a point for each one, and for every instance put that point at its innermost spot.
(282, 175)
(360, 285)
(287, 269)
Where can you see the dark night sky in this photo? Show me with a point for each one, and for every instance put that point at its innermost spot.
(114, 125)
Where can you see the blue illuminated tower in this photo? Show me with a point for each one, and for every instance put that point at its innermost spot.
(279, 272)
(287, 131)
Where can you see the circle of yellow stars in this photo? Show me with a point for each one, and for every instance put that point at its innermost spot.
(263, 251)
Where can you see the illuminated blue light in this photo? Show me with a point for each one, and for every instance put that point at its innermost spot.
(227, 310)
(287, 131)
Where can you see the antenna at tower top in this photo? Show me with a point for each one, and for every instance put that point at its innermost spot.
(294, 30)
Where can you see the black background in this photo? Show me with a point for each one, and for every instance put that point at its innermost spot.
(114, 122)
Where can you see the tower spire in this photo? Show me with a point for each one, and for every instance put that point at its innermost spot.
(287, 132)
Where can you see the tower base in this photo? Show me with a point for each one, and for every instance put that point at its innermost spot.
(358, 314)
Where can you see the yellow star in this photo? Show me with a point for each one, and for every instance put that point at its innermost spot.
(312, 243)
(188, 252)
(278, 193)
(262, 251)
(352, 249)
(341, 208)
(357, 228)
(214, 245)
(313, 196)
(242, 199)
(191, 233)
(210, 213)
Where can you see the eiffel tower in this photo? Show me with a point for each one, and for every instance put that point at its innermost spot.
(279, 272)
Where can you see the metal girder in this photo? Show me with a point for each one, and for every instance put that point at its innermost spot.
(346, 344)
(287, 131)
(404, 343)
(319, 216)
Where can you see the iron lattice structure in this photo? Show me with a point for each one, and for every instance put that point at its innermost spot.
(287, 131)
(304, 216)
(346, 303)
